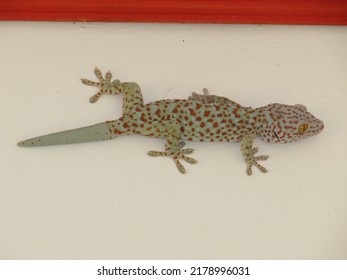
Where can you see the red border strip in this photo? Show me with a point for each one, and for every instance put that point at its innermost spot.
(322, 12)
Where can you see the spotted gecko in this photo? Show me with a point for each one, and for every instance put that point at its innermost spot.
(201, 117)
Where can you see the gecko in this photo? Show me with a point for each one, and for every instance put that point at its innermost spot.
(200, 117)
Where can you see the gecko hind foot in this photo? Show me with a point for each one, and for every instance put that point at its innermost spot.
(105, 85)
(176, 155)
(197, 97)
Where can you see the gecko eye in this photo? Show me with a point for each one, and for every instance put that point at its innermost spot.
(303, 128)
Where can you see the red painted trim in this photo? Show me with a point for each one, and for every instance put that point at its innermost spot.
(332, 12)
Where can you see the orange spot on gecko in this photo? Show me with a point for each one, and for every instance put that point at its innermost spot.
(157, 112)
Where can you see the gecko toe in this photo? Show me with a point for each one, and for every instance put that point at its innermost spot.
(254, 150)
(156, 154)
(249, 171)
(98, 74)
(261, 168)
(189, 159)
(180, 167)
(94, 98)
(89, 82)
(187, 151)
(261, 158)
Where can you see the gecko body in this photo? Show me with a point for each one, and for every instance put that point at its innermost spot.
(202, 117)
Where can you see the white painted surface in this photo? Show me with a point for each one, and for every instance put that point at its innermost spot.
(110, 200)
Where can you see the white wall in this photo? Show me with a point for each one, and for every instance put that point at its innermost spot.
(110, 200)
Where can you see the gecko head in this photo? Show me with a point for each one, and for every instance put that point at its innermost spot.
(279, 123)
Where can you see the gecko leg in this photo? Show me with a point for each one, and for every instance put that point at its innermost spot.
(173, 145)
(132, 96)
(248, 153)
(105, 85)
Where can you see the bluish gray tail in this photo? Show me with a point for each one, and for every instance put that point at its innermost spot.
(96, 132)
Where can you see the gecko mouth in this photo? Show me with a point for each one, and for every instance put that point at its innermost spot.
(276, 136)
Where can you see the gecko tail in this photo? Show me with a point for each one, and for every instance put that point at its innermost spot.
(96, 132)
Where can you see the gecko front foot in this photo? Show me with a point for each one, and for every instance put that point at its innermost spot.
(176, 155)
(252, 160)
(105, 85)
(248, 153)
